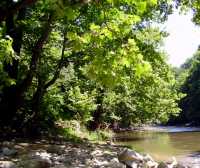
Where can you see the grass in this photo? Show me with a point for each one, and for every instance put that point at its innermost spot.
(75, 132)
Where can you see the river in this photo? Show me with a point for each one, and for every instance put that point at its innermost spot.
(164, 142)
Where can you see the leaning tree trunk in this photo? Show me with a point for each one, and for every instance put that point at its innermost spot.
(44, 85)
(13, 98)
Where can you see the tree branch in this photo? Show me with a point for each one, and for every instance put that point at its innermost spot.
(59, 66)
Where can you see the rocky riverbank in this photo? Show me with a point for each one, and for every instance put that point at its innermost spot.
(45, 154)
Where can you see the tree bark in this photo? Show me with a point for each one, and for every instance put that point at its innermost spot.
(13, 98)
(16, 33)
(8, 103)
(38, 95)
(96, 122)
(43, 86)
(61, 63)
(36, 52)
(12, 8)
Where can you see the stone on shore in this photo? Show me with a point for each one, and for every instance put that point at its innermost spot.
(7, 164)
(129, 156)
(132, 159)
(8, 152)
(68, 155)
(162, 165)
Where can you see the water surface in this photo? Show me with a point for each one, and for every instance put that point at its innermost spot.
(165, 142)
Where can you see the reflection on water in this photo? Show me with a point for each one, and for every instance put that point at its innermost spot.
(162, 145)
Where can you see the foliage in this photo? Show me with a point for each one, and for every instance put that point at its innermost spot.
(6, 55)
(81, 103)
(74, 131)
(188, 74)
(99, 62)
(190, 87)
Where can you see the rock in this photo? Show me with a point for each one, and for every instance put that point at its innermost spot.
(7, 143)
(8, 152)
(174, 163)
(36, 160)
(180, 166)
(100, 163)
(110, 142)
(151, 164)
(7, 164)
(162, 165)
(60, 166)
(130, 164)
(55, 149)
(42, 155)
(147, 158)
(35, 163)
(116, 164)
(97, 152)
(130, 155)
(134, 159)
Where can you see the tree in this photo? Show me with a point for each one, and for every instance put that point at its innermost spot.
(109, 44)
(190, 87)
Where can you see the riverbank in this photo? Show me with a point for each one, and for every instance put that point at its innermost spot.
(158, 128)
(58, 152)
(170, 128)
(45, 154)
(64, 154)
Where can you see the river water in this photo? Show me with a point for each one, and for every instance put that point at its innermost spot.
(164, 142)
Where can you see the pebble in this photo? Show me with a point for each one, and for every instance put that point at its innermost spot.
(43, 155)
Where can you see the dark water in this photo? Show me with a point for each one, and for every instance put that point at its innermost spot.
(165, 142)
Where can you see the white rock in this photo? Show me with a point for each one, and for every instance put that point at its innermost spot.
(43, 155)
(97, 152)
(132, 164)
(130, 155)
(7, 164)
(151, 164)
(114, 160)
(173, 164)
(147, 158)
(130, 158)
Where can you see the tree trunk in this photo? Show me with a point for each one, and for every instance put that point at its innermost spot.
(13, 97)
(8, 103)
(43, 86)
(12, 8)
(96, 122)
(16, 33)
(37, 98)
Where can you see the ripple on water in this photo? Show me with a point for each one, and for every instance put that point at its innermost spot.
(181, 142)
